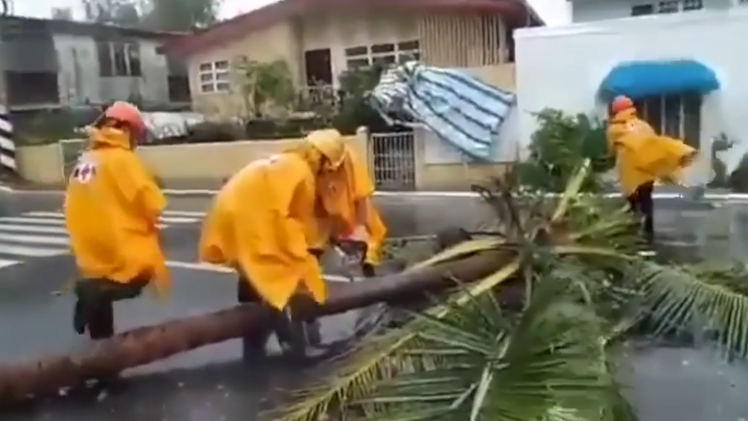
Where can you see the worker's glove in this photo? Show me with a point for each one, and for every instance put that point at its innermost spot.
(360, 233)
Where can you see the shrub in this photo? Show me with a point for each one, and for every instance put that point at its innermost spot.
(557, 148)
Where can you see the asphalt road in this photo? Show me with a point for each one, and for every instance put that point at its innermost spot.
(209, 383)
(668, 384)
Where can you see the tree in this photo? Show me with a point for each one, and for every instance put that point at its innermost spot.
(556, 147)
(62, 13)
(264, 84)
(122, 12)
(180, 15)
(163, 15)
(354, 109)
(538, 339)
(531, 335)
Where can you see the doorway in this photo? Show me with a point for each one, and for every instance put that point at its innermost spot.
(318, 67)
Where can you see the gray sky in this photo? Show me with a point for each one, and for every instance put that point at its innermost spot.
(554, 12)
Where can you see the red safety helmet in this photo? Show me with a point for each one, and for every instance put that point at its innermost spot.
(621, 103)
(127, 114)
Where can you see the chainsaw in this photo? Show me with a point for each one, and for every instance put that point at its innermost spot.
(352, 255)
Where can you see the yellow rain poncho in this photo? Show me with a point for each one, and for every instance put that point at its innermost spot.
(112, 209)
(262, 223)
(341, 193)
(642, 155)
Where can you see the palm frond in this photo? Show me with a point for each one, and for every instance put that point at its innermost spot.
(378, 358)
(461, 250)
(571, 191)
(539, 369)
(675, 298)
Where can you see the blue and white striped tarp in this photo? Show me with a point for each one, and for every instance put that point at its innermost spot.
(456, 106)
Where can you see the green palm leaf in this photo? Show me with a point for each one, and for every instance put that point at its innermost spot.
(676, 298)
(379, 358)
(541, 368)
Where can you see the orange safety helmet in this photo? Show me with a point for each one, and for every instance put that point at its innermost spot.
(621, 103)
(127, 113)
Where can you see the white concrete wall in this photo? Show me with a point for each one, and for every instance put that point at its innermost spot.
(562, 67)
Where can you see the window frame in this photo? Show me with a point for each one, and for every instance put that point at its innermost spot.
(119, 59)
(665, 7)
(214, 77)
(688, 121)
(387, 53)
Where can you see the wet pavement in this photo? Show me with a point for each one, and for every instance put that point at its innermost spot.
(210, 384)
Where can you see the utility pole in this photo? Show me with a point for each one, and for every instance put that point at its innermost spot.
(7, 144)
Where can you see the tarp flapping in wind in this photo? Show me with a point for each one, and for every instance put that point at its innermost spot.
(459, 108)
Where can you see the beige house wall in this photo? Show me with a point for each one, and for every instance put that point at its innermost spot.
(439, 35)
(216, 161)
(276, 42)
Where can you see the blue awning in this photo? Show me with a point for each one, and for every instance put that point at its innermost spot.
(639, 79)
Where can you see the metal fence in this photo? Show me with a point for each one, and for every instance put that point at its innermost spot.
(392, 157)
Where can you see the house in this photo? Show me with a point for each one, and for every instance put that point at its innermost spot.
(676, 58)
(50, 64)
(321, 39)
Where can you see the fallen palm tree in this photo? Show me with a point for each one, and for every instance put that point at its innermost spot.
(584, 244)
(469, 261)
(555, 357)
(148, 344)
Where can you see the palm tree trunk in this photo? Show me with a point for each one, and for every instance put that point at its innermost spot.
(148, 344)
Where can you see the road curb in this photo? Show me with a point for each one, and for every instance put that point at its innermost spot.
(733, 197)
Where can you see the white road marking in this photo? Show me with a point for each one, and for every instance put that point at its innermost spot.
(30, 251)
(199, 266)
(169, 217)
(223, 269)
(190, 214)
(43, 234)
(44, 214)
(31, 228)
(5, 263)
(38, 221)
(178, 220)
(34, 239)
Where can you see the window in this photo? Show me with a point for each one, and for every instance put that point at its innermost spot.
(32, 88)
(382, 54)
(179, 88)
(667, 6)
(215, 77)
(119, 59)
(133, 59)
(104, 54)
(642, 9)
(674, 115)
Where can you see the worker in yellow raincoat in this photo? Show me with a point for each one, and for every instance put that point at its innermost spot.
(345, 193)
(262, 223)
(112, 209)
(642, 158)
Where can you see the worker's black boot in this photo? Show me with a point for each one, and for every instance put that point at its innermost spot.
(253, 343)
(299, 339)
